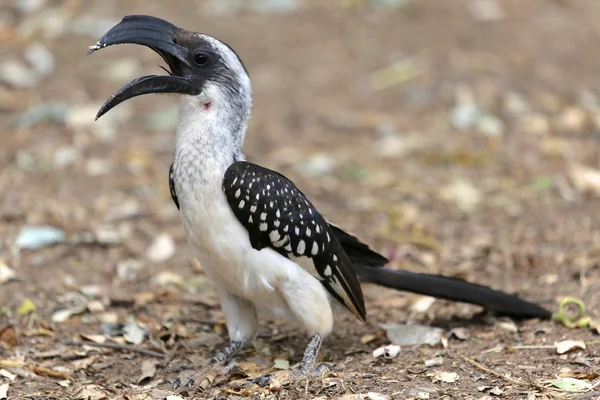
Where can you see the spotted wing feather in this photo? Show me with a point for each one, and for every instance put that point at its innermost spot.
(278, 215)
(172, 187)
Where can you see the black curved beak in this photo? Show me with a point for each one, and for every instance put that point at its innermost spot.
(159, 35)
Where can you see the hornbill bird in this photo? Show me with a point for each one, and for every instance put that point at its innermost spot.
(259, 239)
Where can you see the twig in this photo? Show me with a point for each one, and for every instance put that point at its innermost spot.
(547, 390)
(118, 346)
(35, 369)
(489, 371)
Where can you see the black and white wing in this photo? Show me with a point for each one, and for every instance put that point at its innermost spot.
(279, 216)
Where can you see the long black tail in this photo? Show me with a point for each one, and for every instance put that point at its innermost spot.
(451, 289)
(368, 266)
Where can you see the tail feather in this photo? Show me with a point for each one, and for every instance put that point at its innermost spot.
(451, 289)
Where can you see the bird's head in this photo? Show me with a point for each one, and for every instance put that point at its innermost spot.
(205, 71)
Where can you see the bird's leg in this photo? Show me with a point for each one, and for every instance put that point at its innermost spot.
(217, 365)
(242, 324)
(306, 369)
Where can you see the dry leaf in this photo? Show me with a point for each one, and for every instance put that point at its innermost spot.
(586, 179)
(569, 345)
(4, 391)
(422, 304)
(7, 374)
(389, 352)
(64, 383)
(459, 333)
(90, 392)
(8, 336)
(496, 391)
(443, 376)
(6, 273)
(26, 307)
(133, 333)
(377, 396)
(148, 372)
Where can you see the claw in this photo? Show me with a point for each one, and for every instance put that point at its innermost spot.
(177, 383)
(263, 380)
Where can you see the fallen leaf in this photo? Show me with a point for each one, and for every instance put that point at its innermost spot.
(463, 193)
(64, 383)
(509, 326)
(26, 307)
(569, 345)
(586, 179)
(407, 335)
(89, 392)
(173, 398)
(443, 376)
(389, 352)
(8, 336)
(65, 314)
(281, 364)
(6, 273)
(434, 362)
(459, 333)
(496, 391)
(93, 338)
(571, 384)
(161, 249)
(580, 375)
(4, 391)
(148, 371)
(133, 333)
(422, 304)
(367, 338)
(377, 396)
(164, 278)
(7, 374)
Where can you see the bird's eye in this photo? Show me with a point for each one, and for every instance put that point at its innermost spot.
(201, 59)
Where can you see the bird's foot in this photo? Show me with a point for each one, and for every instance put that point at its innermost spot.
(280, 378)
(204, 378)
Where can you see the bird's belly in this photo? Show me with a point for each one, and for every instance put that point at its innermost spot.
(223, 248)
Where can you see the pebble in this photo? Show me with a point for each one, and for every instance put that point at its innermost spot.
(161, 249)
(40, 58)
(34, 237)
(17, 74)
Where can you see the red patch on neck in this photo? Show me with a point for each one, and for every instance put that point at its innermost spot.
(207, 106)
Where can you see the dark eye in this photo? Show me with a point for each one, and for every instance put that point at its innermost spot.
(201, 59)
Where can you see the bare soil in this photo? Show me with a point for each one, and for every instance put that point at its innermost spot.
(530, 228)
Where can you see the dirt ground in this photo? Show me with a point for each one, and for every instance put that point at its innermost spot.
(456, 137)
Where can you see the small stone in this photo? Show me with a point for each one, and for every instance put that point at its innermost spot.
(164, 278)
(134, 333)
(18, 75)
(462, 193)
(536, 124)
(464, 116)
(122, 71)
(490, 125)
(515, 104)
(128, 269)
(98, 166)
(40, 58)
(573, 119)
(161, 249)
(34, 237)
(434, 362)
(486, 10)
(65, 156)
(6, 273)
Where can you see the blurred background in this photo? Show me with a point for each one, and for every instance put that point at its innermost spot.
(456, 136)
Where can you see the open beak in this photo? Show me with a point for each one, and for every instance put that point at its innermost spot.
(160, 36)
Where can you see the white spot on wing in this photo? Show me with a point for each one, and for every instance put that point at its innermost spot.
(250, 220)
(252, 208)
(263, 227)
(274, 236)
(308, 231)
(238, 193)
(241, 205)
(263, 216)
(315, 249)
(327, 271)
(301, 247)
(297, 230)
(277, 213)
